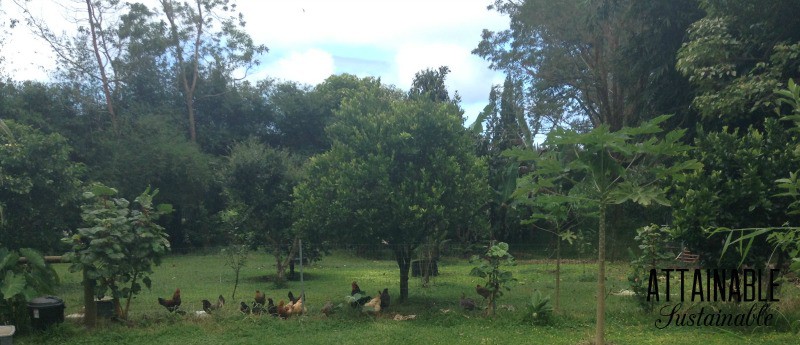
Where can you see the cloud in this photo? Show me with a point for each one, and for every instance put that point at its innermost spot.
(310, 66)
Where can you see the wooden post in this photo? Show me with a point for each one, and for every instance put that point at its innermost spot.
(302, 285)
(89, 307)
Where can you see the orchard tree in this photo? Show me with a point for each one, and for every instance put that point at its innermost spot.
(399, 172)
(607, 168)
(259, 182)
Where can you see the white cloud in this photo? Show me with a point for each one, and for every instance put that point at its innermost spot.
(310, 66)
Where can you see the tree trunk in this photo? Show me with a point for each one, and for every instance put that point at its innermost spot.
(558, 272)
(100, 66)
(601, 278)
(402, 254)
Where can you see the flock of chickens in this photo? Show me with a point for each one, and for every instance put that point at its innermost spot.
(261, 304)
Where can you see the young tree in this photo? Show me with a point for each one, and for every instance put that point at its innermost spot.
(398, 171)
(120, 244)
(606, 168)
(259, 182)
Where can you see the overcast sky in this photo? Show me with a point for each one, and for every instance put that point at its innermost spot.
(309, 40)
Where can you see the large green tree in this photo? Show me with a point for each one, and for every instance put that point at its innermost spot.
(399, 171)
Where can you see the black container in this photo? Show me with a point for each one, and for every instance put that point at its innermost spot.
(45, 311)
(105, 308)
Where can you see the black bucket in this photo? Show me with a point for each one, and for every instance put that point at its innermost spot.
(105, 308)
(45, 311)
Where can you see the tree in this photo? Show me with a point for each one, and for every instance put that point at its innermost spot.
(598, 61)
(737, 55)
(399, 171)
(39, 188)
(606, 168)
(259, 183)
(200, 33)
(735, 188)
(120, 244)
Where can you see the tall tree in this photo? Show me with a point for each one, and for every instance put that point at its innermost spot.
(204, 34)
(576, 57)
(398, 171)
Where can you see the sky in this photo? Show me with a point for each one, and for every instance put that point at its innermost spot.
(309, 40)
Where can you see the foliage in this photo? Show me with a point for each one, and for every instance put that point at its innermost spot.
(258, 183)
(120, 244)
(39, 187)
(490, 268)
(737, 55)
(606, 167)
(538, 311)
(653, 243)
(398, 171)
(236, 258)
(595, 62)
(21, 282)
(735, 189)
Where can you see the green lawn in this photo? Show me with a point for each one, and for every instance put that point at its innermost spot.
(439, 320)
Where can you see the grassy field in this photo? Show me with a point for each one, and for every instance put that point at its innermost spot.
(439, 320)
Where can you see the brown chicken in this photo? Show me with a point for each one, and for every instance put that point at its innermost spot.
(484, 292)
(208, 307)
(283, 311)
(373, 306)
(261, 298)
(172, 304)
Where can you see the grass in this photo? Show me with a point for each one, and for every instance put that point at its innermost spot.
(439, 319)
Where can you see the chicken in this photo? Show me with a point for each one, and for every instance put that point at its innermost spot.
(283, 312)
(172, 304)
(359, 298)
(327, 309)
(260, 298)
(373, 306)
(271, 308)
(208, 307)
(298, 308)
(244, 308)
(385, 298)
(467, 303)
(260, 302)
(291, 297)
(484, 292)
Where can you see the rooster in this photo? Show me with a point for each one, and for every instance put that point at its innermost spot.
(208, 307)
(373, 306)
(358, 296)
(172, 304)
(298, 308)
(385, 298)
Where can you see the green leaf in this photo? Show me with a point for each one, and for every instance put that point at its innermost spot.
(34, 258)
(13, 284)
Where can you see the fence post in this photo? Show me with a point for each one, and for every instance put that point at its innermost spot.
(89, 307)
(302, 285)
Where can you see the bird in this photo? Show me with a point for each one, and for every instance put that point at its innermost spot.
(244, 308)
(484, 292)
(359, 298)
(327, 309)
(298, 308)
(208, 307)
(172, 304)
(467, 303)
(260, 298)
(373, 306)
(291, 297)
(283, 312)
(272, 309)
(385, 298)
